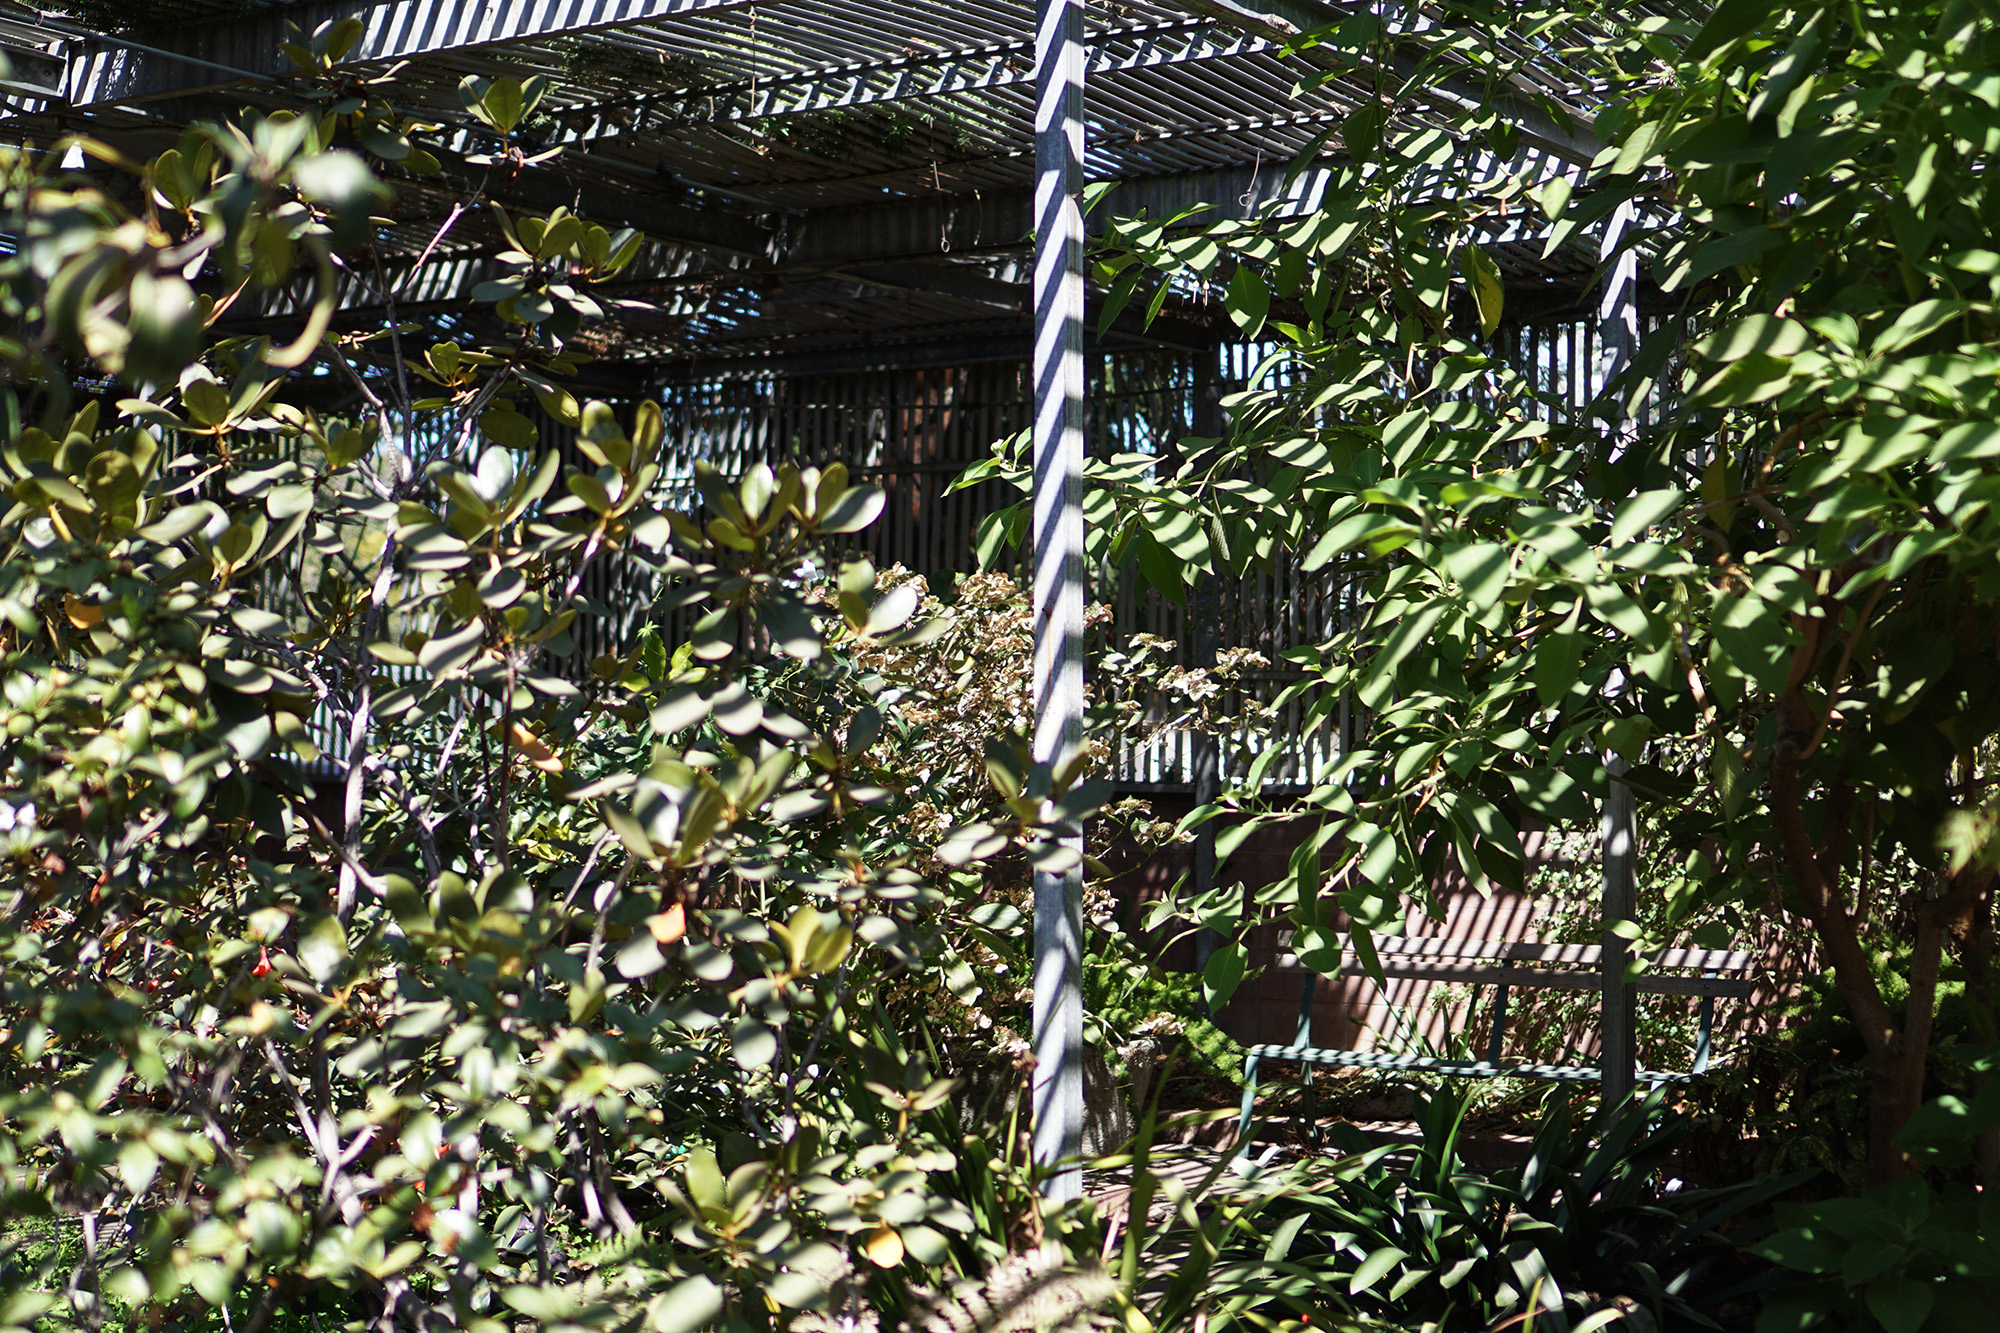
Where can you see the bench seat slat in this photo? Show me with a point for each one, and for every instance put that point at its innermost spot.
(1395, 951)
(1528, 978)
(1582, 955)
(1317, 1055)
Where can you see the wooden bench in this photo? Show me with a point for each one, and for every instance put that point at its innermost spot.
(1709, 974)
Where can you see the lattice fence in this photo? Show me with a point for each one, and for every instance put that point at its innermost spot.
(913, 433)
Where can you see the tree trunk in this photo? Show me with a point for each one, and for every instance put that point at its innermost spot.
(1894, 1052)
(1897, 1073)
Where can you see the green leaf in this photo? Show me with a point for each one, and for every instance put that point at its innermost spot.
(1115, 300)
(138, 1165)
(498, 289)
(1710, 258)
(896, 606)
(285, 502)
(445, 654)
(591, 491)
(1553, 795)
(1489, 293)
(1728, 21)
(625, 246)
(1643, 511)
(1751, 379)
(383, 140)
(506, 427)
(1613, 605)
(1408, 639)
(558, 403)
(544, 1305)
(752, 1043)
(1786, 1312)
(1920, 320)
(1480, 569)
(1223, 974)
(178, 523)
(1901, 1304)
(323, 947)
(856, 508)
(705, 1186)
(1731, 782)
(562, 233)
(21, 1309)
(1753, 333)
(341, 37)
(1868, 1259)
(1361, 131)
(1554, 197)
(691, 1304)
(1374, 1267)
(1557, 653)
(205, 402)
(339, 180)
(501, 104)
(1755, 639)
(1159, 568)
(1942, 1131)
(639, 958)
(1345, 536)
(790, 626)
(999, 529)
(1247, 300)
(1404, 436)
(797, 1289)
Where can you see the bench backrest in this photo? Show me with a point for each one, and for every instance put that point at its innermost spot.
(1576, 955)
(1401, 952)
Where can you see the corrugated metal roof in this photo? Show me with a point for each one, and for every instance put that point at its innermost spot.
(781, 153)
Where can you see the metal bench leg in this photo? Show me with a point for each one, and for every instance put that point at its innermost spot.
(1497, 1041)
(1308, 1106)
(1703, 1036)
(1249, 1106)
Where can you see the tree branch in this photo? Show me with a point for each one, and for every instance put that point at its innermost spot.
(1852, 971)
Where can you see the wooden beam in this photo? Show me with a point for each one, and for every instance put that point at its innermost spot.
(402, 30)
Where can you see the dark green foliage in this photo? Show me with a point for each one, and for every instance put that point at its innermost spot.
(1130, 999)
(1901, 1258)
(1584, 1224)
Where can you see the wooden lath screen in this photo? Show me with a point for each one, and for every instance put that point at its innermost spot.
(913, 433)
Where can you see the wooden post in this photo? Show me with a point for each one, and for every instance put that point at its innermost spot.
(1205, 421)
(1618, 336)
(1057, 1096)
(1618, 1040)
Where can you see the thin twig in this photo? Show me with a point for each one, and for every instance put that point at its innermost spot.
(604, 916)
(589, 864)
(1840, 672)
(450, 220)
(426, 834)
(487, 392)
(583, 562)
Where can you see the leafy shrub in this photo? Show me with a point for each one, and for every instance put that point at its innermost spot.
(1798, 1081)
(1902, 1257)
(1910, 1256)
(582, 994)
(1144, 1013)
(1582, 1231)
(368, 960)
